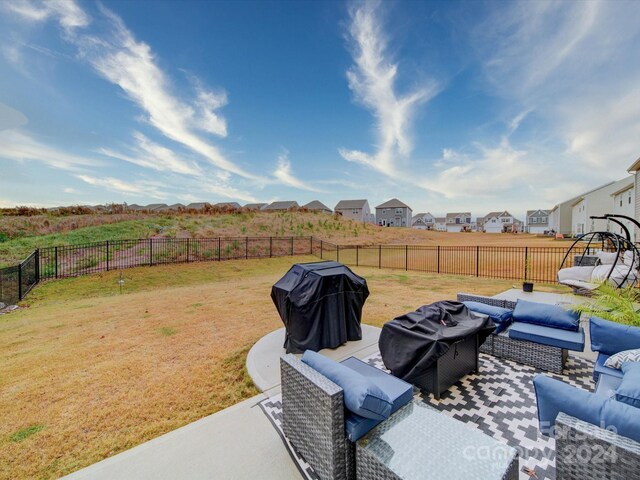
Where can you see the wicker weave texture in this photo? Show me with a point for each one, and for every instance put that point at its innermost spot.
(313, 419)
(585, 451)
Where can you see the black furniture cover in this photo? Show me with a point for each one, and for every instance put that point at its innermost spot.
(409, 344)
(320, 305)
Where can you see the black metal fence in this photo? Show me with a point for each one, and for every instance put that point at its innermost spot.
(537, 264)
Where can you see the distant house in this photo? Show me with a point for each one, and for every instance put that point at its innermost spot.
(440, 224)
(393, 213)
(152, 207)
(197, 206)
(423, 221)
(317, 206)
(458, 222)
(255, 206)
(560, 217)
(358, 210)
(624, 204)
(538, 221)
(135, 207)
(228, 205)
(501, 222)
(281, 206)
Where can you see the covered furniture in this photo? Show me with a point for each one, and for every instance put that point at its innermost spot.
(320, 305)
(316, 420)
(419, 442)
(434, 346)
(597, 434)
(538, 335)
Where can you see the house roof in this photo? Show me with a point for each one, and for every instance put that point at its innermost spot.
(197, 205)
(393, 203)
(635, 167)
(441, 219)
(531, 212)
(227, 205)
(255, 206)
(457, 214)
(348, 204)
(135, 206)
(316, 205)
(623, 189)
(282, 205)
(155, 206)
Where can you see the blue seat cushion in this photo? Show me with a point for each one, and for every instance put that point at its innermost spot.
(546, 315)
(399, 391)
(554, 396)
(629, 389)
(361, 395)
(621, 418)
(502, 317)
(601, 369)
(554, 337)
(607, 385)
(611, 337)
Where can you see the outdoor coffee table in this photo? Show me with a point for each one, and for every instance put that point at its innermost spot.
(418, 442)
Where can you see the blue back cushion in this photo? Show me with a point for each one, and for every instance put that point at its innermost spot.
(621, 418)
(611, 337)
(629, 389)
(361, 395)
(502, 317)
(554, 396)
(546, 315)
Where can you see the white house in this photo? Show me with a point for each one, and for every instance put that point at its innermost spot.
(595, 202)
(501, 222)
(441, 224)
(458, 222)
(538, 221)
(423, 221)
(635, 169)
(624, 204)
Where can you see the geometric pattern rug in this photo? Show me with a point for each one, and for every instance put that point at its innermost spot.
(499, 400)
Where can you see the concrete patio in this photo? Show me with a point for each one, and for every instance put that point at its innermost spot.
(240, 442)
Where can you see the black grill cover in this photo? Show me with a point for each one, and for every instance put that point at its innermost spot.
(409, 344)
(320, 305)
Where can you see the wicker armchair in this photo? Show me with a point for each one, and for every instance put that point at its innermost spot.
(313, 420)
(584, 450)
(545, 357)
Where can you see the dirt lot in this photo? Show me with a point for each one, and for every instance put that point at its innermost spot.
(88, 372)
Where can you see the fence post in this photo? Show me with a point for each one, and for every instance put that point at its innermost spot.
(357, 254)
(56, 259)
(270, 247)
(379, 256)
(107, 255)
(246, 247)
(188, 248)
(321, 249)
(291, 245)
(477, 260)
(311, 245)
(37, 265)
(337, 253)
(438, 258)
(20, 281)
(526, 261)
(219, 248)
(150, 251)
(406, 257)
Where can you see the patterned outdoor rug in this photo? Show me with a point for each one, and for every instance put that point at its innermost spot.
(499, 400)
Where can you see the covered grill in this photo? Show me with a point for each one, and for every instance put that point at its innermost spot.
(434, 346)
(320, 305)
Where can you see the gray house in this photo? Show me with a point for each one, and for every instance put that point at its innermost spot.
(317, 206)
(538, 221)
(393, 213)
(281, 206)
(197, 206)
(228, 205)
(358, 210)
(423, 221)
(255, 206)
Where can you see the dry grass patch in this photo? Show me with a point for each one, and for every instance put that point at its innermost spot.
(87, 372)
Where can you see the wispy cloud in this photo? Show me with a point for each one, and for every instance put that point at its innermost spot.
(66, 12)
(143, 188)
(284, 175)
(372, 79)
(19, 146)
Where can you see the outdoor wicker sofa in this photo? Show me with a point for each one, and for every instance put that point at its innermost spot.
(546, 355)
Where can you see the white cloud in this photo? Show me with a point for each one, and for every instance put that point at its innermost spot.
(18, 146)
(372, 80)
(66, 12)
(137, 189)
(283, 173)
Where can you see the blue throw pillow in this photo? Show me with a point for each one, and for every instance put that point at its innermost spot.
(500, 316)
(629, 389)
(361, 395)
(546, 315)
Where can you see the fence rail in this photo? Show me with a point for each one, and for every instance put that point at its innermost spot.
(538, 264)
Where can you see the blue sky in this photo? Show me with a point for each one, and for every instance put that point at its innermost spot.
(449, 106)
